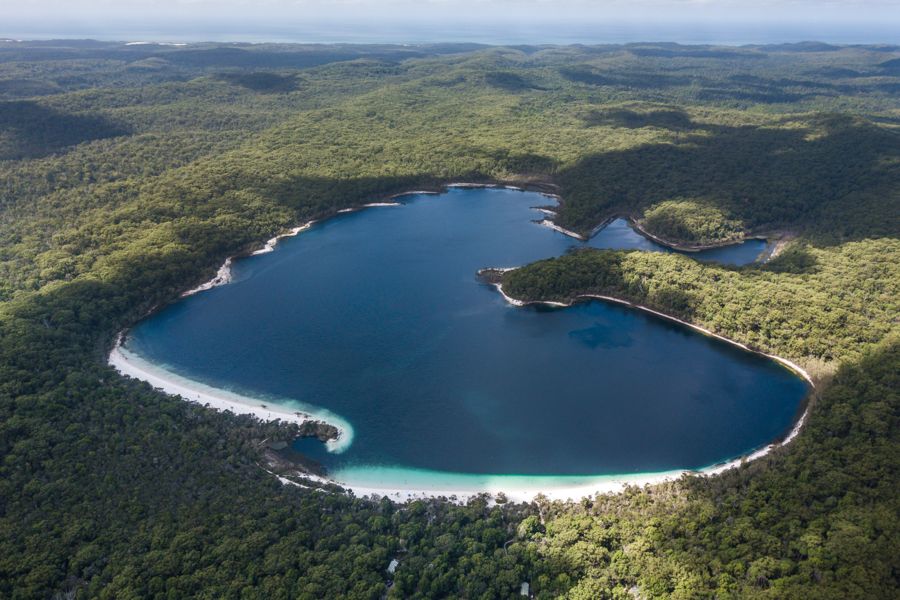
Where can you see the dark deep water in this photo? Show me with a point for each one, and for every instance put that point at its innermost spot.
(377, 317)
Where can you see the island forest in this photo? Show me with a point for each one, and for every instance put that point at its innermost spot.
(129, 172)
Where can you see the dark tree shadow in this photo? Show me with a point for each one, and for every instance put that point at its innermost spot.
(835, 73)
(588, 75)
(890, 67)
(800, 47)
(736, 82)
(26, 88)
(262, 81)
(667, 118)
(509, 81)
(835, 178)
(30, 130)
(795, 259)
(757, 95)
(678, 51)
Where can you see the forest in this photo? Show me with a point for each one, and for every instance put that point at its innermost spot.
(129, 172)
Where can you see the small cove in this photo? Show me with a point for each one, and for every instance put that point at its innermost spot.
(376, 316)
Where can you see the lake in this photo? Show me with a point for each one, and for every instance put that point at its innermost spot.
(377, 317)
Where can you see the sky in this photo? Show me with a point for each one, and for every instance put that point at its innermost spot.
(833, 19)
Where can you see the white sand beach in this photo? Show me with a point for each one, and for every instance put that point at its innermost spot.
(271, 243)
(516, 489)
(130, 364)
(564, 231)
(397, 483)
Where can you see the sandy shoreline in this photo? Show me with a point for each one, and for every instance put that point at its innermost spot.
(128, 363)
(132, 365)
(764, 256)
(375, 204)
(792, 366)
(616, 483)
(516, 489)
(525, 489)
(690, 248)
(562, 230)
(223, 275)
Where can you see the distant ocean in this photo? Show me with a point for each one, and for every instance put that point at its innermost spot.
(486, 33)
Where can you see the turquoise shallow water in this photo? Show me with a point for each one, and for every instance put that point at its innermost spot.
(377, 316)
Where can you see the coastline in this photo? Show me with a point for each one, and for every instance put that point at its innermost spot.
(790, 365)
(688, 247)
(616, 483)
(407, 484)
(127, 363)
(395, 484)
(515, 488)
(774, 243)
(272, 242)
(562, 230)
(132, 365)
(415, 484)
(223, 275)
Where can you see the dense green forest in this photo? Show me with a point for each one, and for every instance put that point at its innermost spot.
(128, 173)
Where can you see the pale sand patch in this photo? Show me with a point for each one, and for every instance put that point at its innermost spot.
(223, 275)
(271, 243)
(523, 493)
(611, 484)
(129, 363)
(564, 231)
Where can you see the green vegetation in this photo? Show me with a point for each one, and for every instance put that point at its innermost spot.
(816, 519)
(691, 223)
(129, 172)
(815, 306)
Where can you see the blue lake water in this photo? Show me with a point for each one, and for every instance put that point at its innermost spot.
(619, 235)
(377, 316)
